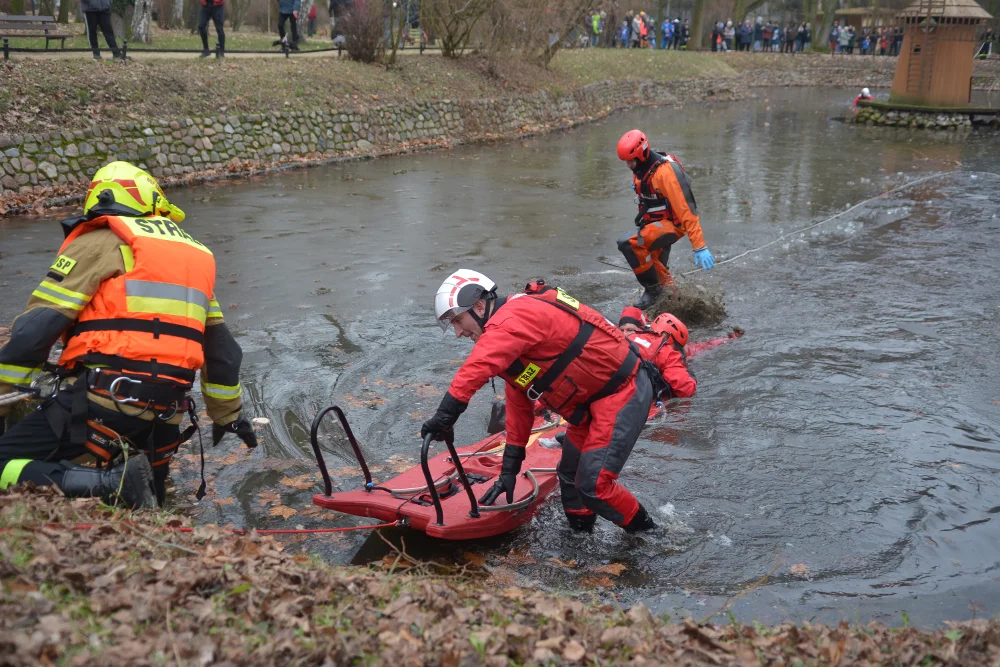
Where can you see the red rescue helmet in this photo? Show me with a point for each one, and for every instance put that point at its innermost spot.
(633, 146)
(665, 323)
(633, 315)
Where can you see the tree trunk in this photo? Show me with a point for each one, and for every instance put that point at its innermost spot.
(304, 20)
(739, 13)
(17, 7)
(823, 35)
(63, 12)
(697, 23)
(47, 8)
(142, 19)
(811, 17)
(176, 14)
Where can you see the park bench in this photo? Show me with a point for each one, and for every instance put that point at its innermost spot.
(32, 26)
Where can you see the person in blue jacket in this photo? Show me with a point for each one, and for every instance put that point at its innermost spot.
(288, 9)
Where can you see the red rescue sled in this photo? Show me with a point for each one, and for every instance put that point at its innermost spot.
(439, 495)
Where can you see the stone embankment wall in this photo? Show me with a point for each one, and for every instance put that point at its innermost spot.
(49, 168)
(930, 120)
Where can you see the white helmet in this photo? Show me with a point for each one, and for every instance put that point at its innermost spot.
(459, 292)
(866, 92)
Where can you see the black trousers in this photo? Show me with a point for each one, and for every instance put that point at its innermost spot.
(217, 14)
(34, 438)
(295, 27)
(102, 19)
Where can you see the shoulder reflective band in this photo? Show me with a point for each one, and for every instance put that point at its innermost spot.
(12, 472)
(146, 296)
(221, 391)
(155, 327)
(214, 309)
(11, 374)
(61, 296)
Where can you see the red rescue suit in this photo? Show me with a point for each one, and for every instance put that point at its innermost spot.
(550, 347)
(669, 361)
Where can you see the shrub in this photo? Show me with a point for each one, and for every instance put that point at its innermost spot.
(364, 28)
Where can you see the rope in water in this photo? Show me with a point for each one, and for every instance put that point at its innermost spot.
(235, 531)
(821, 222)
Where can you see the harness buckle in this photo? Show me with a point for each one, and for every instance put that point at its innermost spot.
(532, 394)
(113, 390)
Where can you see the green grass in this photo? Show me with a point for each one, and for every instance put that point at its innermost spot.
(245, 40)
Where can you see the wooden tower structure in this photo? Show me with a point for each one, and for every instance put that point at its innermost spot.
(935, 61)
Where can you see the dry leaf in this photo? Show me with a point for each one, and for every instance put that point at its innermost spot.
(563, 563)
(157, 564)
(305, 481)
(574, 651)
(224, 501)
(800, 570)
(268, 496)
(614, 569)
(474, 559)
(284, 511)
(591, 581)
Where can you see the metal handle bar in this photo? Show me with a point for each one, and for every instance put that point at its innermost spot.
(435, 498)
(314, 439)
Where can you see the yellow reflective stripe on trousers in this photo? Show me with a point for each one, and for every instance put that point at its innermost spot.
(12, 472)
(11, 374)
(61, 296)
(221, 391)
(145, 296)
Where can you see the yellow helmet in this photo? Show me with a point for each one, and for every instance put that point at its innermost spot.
(120, 188)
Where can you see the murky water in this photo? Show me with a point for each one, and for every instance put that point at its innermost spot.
(849, 445)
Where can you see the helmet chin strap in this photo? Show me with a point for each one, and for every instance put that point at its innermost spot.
(492, 302)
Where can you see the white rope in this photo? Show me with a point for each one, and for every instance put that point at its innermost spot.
(821, 222)
(14, 398)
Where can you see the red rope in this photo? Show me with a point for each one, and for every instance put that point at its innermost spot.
(235, 531)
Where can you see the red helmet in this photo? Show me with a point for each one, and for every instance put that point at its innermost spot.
(633, 146)
(633, 315)
(665, 323)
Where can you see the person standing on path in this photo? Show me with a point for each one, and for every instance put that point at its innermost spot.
(215, 10)
(98, 13)
(288, 10)
(312, 20)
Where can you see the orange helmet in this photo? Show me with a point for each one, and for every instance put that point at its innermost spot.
(633, 146)
(665, 323)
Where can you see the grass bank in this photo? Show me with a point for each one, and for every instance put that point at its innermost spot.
(42, 94)
(130, 589)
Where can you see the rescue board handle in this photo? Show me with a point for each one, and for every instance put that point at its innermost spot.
(314, 439)
(432, 488)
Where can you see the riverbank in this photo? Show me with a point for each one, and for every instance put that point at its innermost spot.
(190, 122)
(83, 584)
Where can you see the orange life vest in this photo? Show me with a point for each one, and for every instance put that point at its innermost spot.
(653, 206)
(150, 321)
(596, 363)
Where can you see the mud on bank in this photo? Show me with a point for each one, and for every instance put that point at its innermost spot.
(131, 589)
(244, 118)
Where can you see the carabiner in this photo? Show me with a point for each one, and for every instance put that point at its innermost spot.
(532, 394)
(113, 389)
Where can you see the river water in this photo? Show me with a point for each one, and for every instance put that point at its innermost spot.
(848, 447)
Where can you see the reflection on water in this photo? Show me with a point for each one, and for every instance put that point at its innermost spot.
(852, 434)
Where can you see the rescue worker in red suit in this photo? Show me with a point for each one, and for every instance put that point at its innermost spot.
(667, 212)
(658, 346)
(549, 347)
(865, 95)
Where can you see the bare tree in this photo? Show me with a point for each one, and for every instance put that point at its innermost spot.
(453, 21)
(304, 20)
(237, 12)
(142, 20)
(697, 25)
(176, 14)
(564, 16)
(398, 15)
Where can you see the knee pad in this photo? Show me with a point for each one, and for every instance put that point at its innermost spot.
(625, 242)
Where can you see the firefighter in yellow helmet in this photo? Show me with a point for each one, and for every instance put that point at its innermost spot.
(131, 295)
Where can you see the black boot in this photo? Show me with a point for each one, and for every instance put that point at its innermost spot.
(205, 53)
(651, 281)
(649, 297)
(640, 522)
(134, 477)
(582, 523)
(97, 55)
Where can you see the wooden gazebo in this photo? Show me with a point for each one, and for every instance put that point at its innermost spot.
(935, 62)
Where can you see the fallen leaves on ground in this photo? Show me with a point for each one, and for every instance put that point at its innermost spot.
(568, 564)
(614, 569)
(136, 593)
(800, 570)
(284, 511)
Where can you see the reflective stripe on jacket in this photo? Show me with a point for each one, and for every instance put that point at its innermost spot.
(151, 319)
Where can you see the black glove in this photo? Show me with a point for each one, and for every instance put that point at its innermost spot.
(512, 458)
(241, 427)
(439, 426)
